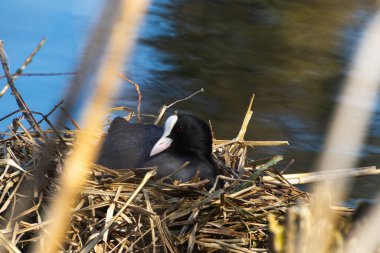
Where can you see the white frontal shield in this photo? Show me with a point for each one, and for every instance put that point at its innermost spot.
(164, 142)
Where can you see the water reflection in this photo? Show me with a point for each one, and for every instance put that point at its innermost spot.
(292, 55)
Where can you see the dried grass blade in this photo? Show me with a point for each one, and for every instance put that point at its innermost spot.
(90, 245)
(165, 238)
(109, 215)
(246, 120)
(8, 244)
(7, 202)
(28, 211)
(11, 162)
(192, 239)
(151, 220)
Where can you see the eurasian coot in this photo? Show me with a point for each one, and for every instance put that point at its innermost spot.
(185, 138)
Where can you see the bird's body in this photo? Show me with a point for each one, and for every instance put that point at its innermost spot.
(185, 138)
(127, 146)
(168, 163)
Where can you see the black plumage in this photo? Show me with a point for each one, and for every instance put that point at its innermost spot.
(184, 138)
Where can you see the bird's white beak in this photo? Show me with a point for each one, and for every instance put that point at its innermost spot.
(164, 142)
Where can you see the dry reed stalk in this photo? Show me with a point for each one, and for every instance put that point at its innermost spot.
(77, 168)
(365, 236)
(311, 177)
(344, 140)
(247, 118)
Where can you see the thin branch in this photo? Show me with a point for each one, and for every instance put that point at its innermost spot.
(40, 74)
(38, 122)
(137, 87)
(50, 112)
(76, 125)
(23, 66)
(165, 107)
(186, 98)
(44, 118)
(20, 101)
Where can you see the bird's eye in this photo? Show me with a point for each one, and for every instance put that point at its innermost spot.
(179, 129)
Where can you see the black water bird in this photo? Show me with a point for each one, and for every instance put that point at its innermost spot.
(185, 138)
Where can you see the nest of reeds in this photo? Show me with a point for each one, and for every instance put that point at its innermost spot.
(128, 210)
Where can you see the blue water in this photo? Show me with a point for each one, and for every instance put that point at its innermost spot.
(23, 24)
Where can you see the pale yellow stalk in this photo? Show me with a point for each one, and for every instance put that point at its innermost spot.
(85, 151)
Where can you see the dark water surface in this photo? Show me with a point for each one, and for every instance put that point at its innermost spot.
(294, 55)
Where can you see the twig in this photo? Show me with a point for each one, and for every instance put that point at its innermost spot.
(137, 87)
(186, 98)
(9, 114)
(165, 107)
(287, 167)
(50, 112)
(44, 118)
(76, 125)
(36, 74)
(20, 101)
(38, 122)
(23, 66)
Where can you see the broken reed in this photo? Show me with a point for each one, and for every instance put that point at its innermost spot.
(128, 210)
